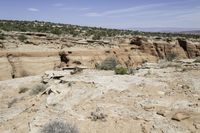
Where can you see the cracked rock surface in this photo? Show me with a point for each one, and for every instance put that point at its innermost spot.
(154, 100)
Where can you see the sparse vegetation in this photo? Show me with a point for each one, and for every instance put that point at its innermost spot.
(96, 37)
(171, 57)
(22, 38)
(107, 64)
(121, 70)
(76, 70)
(38, 88)
(2, 36)
(77, 31)
(59, 127)
(63, 57)
(24, 74)
(77, 62)
(23, 90)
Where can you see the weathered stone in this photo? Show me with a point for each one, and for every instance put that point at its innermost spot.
(148, 108)
(180, 116)
(162, 112)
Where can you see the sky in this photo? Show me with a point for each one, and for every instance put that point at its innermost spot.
(106, 13)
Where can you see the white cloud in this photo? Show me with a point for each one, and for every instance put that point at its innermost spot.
(152, 12)
(75, 9)
(124, 10)
(33, 9)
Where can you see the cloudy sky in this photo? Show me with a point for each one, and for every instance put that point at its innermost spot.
(106, 13)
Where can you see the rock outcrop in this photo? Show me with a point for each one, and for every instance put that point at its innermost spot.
(41, 52)
(163, 49)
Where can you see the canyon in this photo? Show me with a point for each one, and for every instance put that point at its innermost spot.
(43, 51)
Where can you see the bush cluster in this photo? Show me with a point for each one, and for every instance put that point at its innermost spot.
(107, 64)
(74, 30)
(121, 70)
(37, 89)
(59, 127)
(2, 36)
(22, 38)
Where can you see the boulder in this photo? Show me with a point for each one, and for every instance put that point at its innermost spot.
(179, 116)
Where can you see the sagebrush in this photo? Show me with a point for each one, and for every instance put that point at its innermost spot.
(38, 88)
(59, 127)
(107, 64)
(121, 70)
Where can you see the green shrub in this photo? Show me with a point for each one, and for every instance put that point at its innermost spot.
(59, 127)
(2, 37)
(171, 57)
(56, 31)
(121, 70)
(96, 37)
(37, 89)
(22, 38)
(107, 64)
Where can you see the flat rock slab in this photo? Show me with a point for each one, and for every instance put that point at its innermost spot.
(180, 116)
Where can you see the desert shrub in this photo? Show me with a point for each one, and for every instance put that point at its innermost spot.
(131, 71)
(121, 70)
(63, 57)
(22, 38)
(107, 51)
(96, 37)
(171, 57)
(107, 64)
(77, 62)
(76, 70)
(37, 89)
(197, 60)
(2, 37)
(23, 90)
(56, 31)
(59, 127)
(24, 73)
(169, 64)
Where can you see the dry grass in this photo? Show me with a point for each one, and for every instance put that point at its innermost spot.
(23, 90)
(37, 89)
(59, 127)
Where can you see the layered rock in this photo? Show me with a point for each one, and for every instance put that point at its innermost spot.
(41, 52)
(162, 49)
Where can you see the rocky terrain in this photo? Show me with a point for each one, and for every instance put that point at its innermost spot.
(115, 81)
(25, 54)
(159, 97)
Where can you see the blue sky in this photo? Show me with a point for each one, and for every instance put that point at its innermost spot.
(106, 13)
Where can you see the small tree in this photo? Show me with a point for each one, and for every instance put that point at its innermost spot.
(96, 37)
(22, 38)
(2, 37)
(56, 31)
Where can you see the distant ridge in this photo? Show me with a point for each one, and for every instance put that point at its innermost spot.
(196, 32)
(168, 30)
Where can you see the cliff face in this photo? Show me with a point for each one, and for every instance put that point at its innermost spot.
(40, 53)
(164, 49)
